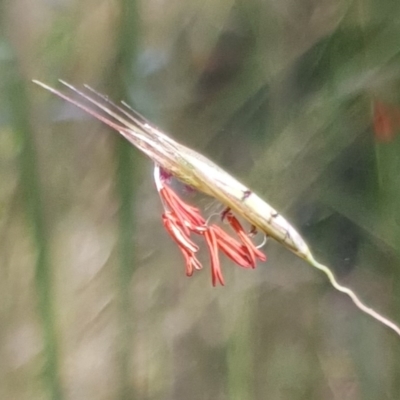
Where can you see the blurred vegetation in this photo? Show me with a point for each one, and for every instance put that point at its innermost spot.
(299, 99)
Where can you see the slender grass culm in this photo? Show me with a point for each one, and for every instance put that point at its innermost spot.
(182, 220)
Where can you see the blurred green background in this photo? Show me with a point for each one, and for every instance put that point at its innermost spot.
(299, 99)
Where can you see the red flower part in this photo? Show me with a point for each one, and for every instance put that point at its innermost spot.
(186, 246)
(164, 175)
(211, 240)
(231, 248)
(176, 232)
(191, 262)
(252, 250)
(386, 121)
(383, 122)
(188, 215)
(181, 220)
(225, 213)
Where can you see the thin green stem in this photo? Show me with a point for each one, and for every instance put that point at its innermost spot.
(126, 253)
(30, 182)
(125, 190)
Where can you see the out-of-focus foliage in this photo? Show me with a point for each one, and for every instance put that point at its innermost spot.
(299, 99)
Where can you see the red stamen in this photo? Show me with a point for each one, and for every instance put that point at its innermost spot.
(184, 212)
(177, 233)
(185, 245)
(225, 213)
(216, 273)
(252, 250)
(190, 262)
(231, 248)
(181, 220)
